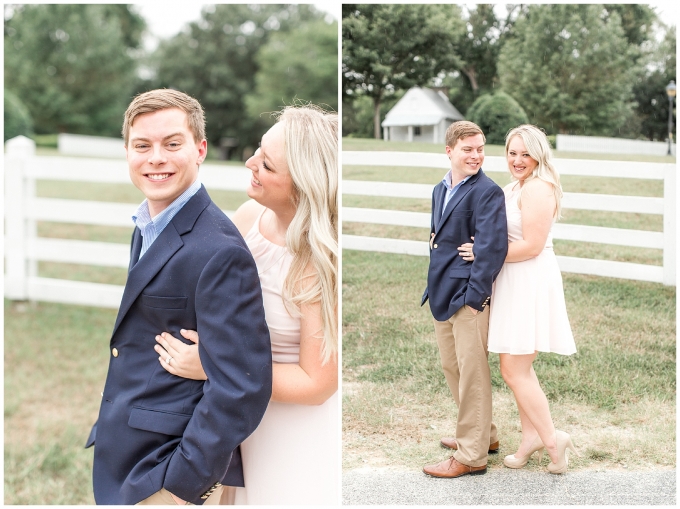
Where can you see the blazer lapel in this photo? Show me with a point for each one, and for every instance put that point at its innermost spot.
(460, 194)
(160, 252)
(136, 248)
(440, 196)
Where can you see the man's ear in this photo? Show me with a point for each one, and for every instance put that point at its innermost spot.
(202, 151)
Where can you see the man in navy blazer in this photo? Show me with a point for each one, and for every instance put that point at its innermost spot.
(465, 204)
(160, 438)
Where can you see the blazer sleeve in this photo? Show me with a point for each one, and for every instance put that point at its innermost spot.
(235, 352)
(490, 246)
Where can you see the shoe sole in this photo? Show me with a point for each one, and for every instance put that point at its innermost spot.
(491, 451)
(476, 472)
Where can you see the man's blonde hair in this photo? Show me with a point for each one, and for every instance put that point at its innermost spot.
(460, 130)
(163, 99)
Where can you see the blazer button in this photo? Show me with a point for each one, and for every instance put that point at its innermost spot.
(435, 246)
(115, 352)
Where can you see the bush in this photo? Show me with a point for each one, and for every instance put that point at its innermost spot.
(18, 120)
(496, 114)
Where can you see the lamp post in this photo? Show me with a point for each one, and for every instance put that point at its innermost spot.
(670, 90)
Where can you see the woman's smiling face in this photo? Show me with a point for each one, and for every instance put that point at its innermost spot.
(520, 163)
(271, 184)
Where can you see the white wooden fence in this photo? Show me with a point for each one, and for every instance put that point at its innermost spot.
(602, 145)
(613, 203)
(23, 248)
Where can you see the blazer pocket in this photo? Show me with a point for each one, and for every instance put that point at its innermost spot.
(156, 301)
(461, 213)
(159, 421)
(463, 273)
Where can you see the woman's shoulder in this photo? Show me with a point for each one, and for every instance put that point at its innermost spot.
(246, 215)
(537, 187)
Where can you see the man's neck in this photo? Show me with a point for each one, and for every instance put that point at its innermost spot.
(457, 178)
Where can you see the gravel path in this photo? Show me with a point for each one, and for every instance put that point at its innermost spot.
(502, 486)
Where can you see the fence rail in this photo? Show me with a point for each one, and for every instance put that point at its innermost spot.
(665, 206)
(24, 249)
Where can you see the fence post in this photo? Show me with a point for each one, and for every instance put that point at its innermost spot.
(19, 151)
(669, 223)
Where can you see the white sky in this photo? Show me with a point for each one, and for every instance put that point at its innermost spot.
(165, 19)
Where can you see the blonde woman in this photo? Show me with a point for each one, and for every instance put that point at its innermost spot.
(291, 228)
(528, 311)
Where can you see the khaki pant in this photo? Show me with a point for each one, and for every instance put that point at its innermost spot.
(223, 495)
(463, 348)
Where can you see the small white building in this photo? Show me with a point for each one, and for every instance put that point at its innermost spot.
(423, 114)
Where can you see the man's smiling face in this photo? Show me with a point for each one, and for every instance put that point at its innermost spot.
(163, 156)
(467, 156)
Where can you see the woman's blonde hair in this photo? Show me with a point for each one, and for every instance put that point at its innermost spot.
(311, 147)
(538, 147)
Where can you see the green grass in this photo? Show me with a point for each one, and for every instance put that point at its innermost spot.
(620, 383)
(55, 365)
(616, 395)
(358, 144)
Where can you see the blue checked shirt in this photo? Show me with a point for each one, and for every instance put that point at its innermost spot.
(152, 228)
(450, 191)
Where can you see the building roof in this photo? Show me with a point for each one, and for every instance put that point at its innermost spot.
(421, 106)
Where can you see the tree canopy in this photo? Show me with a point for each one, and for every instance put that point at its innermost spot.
(292, 69)
(388, 47)
(570, 69)
(216, 61)
(596, 69)
(76, 67)
(71, 64)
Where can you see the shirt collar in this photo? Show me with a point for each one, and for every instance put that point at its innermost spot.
(142, 217)
(447, 180)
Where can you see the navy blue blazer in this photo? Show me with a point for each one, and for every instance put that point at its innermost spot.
(476, 210)
(158, 430)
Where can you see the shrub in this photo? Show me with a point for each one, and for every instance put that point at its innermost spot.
(17, 118)
(496, 114)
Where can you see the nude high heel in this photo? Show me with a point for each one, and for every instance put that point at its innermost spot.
(512, 461)
(563, 441)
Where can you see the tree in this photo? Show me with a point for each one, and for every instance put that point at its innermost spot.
(496, 114)
(214, 60)
(392, 47)
(636, 21)
(649, 89)
(71, 66)
(357, 114)
(291, 68)
(17, 119)
(569, 66)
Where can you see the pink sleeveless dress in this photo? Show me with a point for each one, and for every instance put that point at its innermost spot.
(293, 457)
(528, 311)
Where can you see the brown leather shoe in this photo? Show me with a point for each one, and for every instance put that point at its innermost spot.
(450, 443)
(452, 468)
